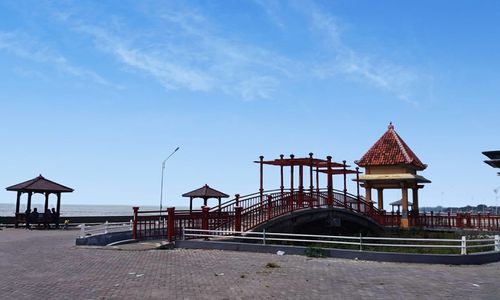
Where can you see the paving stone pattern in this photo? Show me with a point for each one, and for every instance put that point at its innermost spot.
(47, 265)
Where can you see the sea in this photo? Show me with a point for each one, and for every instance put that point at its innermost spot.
(76, 210)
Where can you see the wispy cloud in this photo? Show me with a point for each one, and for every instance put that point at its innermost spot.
(29, 48)
(364, 67)
(191, 54)
(271, 8)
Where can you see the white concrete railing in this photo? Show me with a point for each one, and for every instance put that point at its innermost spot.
(88, 230)
(330, 241)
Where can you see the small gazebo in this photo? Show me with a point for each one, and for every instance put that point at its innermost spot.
(38, 185)
(205, 193)
(398, 204)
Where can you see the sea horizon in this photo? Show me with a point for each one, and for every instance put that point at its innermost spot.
(75, 210)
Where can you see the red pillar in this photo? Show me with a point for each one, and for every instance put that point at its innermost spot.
(292, 196)
(261, 189)
(345, 183)
(134, 229)
(237, 196)
(269, 207)
(171, 223)
(311, 183)
(237, 218)
(204, 218)
(282, 186)
(317, 185)
(357, 189)
(301, 185)
(330, 181)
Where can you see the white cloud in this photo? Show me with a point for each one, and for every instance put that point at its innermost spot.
(380, 73)
(189, 53)
(29, 48)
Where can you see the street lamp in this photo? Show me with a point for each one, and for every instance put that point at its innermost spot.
(162, 171)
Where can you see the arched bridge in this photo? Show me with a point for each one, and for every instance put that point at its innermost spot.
(268, 208)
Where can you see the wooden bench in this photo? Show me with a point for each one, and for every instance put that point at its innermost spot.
(22, 218)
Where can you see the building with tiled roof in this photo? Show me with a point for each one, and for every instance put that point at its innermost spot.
(391, 164)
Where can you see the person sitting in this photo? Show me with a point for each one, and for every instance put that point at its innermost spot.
(55, 215)
(47, 218)
(27, 217)
(34, 216)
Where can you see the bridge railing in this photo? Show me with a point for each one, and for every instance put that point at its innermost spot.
(463, 245)
(105, 228)
(446, 220)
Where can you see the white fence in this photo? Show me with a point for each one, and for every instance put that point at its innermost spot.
(328, 241)
(87, 230)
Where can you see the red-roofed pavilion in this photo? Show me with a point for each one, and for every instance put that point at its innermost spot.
(391, 164)
(37, 185)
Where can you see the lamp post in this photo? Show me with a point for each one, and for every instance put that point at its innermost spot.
(162, 171)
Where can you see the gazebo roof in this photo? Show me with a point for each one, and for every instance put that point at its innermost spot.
(494, 158)
(301, 161)
(399, 203)
(205, 192)
(390, 150)
(40, 185)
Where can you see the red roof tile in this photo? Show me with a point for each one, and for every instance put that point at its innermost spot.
(390, 150)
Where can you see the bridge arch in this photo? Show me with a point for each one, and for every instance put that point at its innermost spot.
(329, 220)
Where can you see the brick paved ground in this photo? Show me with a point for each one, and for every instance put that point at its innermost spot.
(47, 265)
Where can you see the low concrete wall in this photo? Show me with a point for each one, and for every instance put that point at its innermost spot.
(448, 259)
(103, 239)
(79, 219)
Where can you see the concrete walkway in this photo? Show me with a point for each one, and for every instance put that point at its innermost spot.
(47, 265)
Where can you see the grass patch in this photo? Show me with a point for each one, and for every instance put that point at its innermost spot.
(272, 265)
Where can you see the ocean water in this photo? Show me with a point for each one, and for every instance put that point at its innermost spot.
(9, 209)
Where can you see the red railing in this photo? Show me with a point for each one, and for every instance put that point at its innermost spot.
(247, 212)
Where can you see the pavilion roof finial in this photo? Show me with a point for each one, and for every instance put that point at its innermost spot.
(390, 126)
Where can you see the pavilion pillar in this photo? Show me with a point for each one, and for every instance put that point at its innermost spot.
(404, 213)
(46, 202)
(261, 188)
(415, 207)
(58, 209)
(282, 186)
(28, 208)
(18, 205)
(205, 200)
(190, 205)
(368, 193)
(18, 202)
(380, 198)
(330, 181)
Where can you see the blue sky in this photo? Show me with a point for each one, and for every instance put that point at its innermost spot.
(95, 94)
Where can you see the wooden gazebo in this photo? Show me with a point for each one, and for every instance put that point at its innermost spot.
(205, 193)
(39, 185)
(391, 164)
(398, 204)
